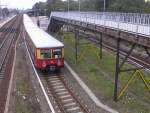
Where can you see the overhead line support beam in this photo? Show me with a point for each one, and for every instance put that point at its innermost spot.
(117, 70)
(101, 45)
(76, 44)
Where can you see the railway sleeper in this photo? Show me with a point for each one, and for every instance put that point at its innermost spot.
(70, 104)
(67, 100)
(58, 87)
(2, 73)
(8, 30)
(73, 109)
(1, 76)
(65, 96)
(62, 93)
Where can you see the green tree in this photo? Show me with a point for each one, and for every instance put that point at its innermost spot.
(96, 5)
(127, 5)
(147, 7)
(5, 12)
(40, 5)
(40, 8)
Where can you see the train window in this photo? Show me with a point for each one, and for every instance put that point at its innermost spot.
(45, 54)
(57, 53)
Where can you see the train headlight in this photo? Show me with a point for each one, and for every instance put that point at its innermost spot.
(52, 62)
(43, 64)
(59, 63)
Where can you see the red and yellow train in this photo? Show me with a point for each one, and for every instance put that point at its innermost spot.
(45, 50)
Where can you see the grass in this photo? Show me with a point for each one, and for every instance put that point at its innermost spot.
(136, 98)
(22, 89)
(25, 98)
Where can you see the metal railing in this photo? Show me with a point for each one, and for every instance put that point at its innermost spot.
(130, 22)
(134, 18)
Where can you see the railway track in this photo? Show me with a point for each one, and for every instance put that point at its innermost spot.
(6, 29)
(65, 99)
(9, 34)
(62, 96)
(134, 59)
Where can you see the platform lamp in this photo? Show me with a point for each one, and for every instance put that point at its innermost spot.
(104, 6)
(0, 10)
(79, 5)
(68, 6)
(104, 9)
(45, 12)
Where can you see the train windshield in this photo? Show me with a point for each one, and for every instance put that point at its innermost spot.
(45, 54)
(57, 53)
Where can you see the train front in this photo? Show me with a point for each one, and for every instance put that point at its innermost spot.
(52, 58)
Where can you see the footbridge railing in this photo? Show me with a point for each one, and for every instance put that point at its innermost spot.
(130, 22)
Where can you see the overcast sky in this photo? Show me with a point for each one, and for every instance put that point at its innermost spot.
(23, 4)
(20, 3)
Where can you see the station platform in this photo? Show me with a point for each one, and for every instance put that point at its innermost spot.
(44, 21)
(2, 22)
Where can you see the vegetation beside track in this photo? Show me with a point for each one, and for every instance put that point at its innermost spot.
(25, 97)
(99, 75)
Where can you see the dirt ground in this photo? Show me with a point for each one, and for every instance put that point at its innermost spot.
(26, 96)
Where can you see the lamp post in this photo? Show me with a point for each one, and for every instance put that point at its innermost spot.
(79, 5)
(104, 6)
(0, 11)
(104, 9)
(45, 12)
(68, 6)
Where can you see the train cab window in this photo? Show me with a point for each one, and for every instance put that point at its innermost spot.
(45, 54)
(57, 53)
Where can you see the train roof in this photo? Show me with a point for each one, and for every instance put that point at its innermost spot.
(40, 38)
